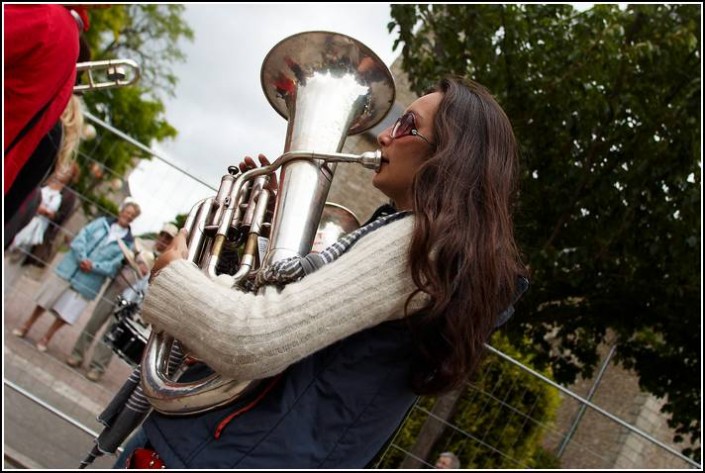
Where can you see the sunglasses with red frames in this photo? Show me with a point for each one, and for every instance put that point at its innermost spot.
(406, 126)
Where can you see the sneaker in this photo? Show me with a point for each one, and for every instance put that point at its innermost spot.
(19, 332)
(41, 346)
(94, 375)
(73, 361)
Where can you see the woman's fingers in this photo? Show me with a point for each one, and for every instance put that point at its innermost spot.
(247, 164)
(272, 184)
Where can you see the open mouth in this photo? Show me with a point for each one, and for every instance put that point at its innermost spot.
(383, 161)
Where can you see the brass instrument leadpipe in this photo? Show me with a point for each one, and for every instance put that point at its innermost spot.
(369, 159)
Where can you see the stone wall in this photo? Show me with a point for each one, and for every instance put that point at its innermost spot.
(600, 442)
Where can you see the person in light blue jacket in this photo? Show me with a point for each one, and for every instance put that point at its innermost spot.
(95, 255)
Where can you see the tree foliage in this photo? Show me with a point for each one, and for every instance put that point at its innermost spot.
(606, 107)
(150, 35)
(499, 420)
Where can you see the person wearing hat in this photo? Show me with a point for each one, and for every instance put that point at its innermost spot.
(166, 235)
(131, 284)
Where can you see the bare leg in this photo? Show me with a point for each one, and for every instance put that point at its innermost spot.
(22, 331)
(42, 344)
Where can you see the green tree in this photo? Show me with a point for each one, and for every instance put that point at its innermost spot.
(498, 420)
(150, 35)
(606, 107)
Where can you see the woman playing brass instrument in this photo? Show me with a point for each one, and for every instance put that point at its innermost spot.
(404, 311)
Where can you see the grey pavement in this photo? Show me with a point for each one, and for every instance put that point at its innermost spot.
(33, 436)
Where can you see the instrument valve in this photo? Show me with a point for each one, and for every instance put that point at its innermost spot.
(116, 73)
(210, 229)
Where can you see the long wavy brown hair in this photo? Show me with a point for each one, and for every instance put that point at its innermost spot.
(463, 252)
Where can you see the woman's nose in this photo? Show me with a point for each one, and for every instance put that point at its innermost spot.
(385, 137)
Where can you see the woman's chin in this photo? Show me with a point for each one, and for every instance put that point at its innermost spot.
(376, 181)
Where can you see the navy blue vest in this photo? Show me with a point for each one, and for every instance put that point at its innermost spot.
(335, 409)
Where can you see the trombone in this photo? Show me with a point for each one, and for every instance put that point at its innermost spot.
(114, 74)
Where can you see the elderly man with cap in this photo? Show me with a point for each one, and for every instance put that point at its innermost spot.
(166, 235)
(132, 279)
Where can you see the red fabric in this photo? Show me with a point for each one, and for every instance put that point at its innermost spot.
(223, 423)
(41, 49)
(144, 459)
(83, 14)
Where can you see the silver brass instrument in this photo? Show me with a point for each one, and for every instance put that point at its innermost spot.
(328, 86)
(336, 222)
(111, 74)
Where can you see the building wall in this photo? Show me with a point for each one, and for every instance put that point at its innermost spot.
(638, 452)
(599, 442)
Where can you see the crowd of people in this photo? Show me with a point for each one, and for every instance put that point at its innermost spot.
(43, 129)
(131, 285)
(104, 250)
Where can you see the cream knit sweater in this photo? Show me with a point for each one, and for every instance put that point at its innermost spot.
(246, 336)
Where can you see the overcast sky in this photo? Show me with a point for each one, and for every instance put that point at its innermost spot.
(220, 110)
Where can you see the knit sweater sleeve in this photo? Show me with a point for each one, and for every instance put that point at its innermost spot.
(247, 336)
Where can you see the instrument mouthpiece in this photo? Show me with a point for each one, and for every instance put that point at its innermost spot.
(371, 159)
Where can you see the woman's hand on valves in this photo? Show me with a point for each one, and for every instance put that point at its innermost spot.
(249, 163)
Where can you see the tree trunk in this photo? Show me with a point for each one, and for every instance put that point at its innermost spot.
(431, 431)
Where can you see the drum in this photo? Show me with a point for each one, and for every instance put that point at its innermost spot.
(128, 338)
